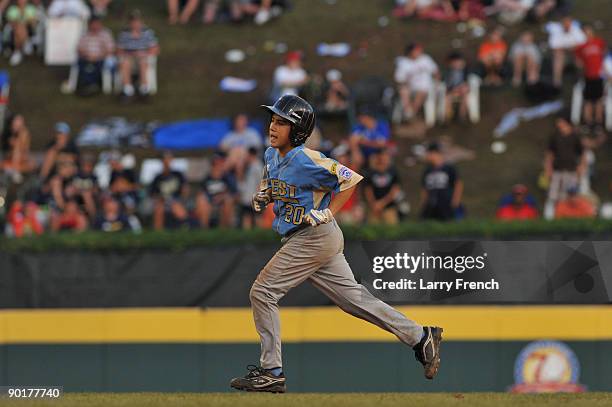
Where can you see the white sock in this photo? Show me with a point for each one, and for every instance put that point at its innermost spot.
(128, 90)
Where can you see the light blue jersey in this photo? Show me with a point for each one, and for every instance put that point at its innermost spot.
(302, 180)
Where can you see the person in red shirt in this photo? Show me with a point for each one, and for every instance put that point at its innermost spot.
(517, 206)
(492, 54)
(23, 219)
(590, 57)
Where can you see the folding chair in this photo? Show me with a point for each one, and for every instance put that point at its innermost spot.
(151, 76)
(473, 99)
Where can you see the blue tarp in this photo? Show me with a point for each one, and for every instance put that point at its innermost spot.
(4, 79)
(195, 134)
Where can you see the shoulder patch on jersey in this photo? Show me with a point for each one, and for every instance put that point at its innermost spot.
(344, 172)
(333, 168)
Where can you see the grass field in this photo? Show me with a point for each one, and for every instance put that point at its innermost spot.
(321, 399)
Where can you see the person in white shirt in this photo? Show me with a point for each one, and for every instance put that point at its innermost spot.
(563, 37)
(69, 8)
(289, 78)
(237, 142)
(415, 73)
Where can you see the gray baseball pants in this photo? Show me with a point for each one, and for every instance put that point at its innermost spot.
(316, 254)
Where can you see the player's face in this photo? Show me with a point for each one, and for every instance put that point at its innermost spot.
(279, 132)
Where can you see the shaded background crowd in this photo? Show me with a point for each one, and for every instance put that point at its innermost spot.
(145, 117)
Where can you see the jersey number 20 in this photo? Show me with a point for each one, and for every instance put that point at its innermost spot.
(294, 214)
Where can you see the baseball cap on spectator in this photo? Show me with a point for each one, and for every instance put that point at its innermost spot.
(62, 127)
(333, 75)
(293, 56)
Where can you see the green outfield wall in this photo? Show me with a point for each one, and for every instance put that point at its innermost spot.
(310, 367)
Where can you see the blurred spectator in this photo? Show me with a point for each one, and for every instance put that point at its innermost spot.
(135, 47)
(99, 7)
(168, 191)
(414, 74)
(22, 220)
(491, 54)
(590, 57)
(16, 147)
(237, 142)
(66, 185)
(352, 213)
(86, 183)
(264, 13)
(95, 48)
(69, 8)
(441, 187)
(382, 189)
(511, 11)
(215, 203)
(564, 160)
(261, 10)
(290, 77)
(70, 218)
(123, 185)
(336, 92)
(457, 88)
(518, 205)
(237, 9)
(23, 18)
(563, 37)
(410, 8)
(574, 206)
(175, 15)
(369, 135)
(248, 187)
(526, 58)
(61, 147)
(452, 10)
(3, 5)
(111, 218)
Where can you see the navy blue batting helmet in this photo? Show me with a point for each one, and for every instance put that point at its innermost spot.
(299, 113)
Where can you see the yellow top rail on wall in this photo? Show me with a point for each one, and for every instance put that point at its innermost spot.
(316, 324)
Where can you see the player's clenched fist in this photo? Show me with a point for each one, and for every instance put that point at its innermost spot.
(261, 200)
(316, 218)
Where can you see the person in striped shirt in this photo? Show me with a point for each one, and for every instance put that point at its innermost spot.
(135, 46)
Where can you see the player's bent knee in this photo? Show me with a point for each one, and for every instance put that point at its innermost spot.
(257, 293)
(260, 294)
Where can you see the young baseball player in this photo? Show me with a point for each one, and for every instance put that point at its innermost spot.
(300, 182)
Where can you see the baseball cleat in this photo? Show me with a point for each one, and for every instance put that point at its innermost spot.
(428, 350)
(259, 379)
